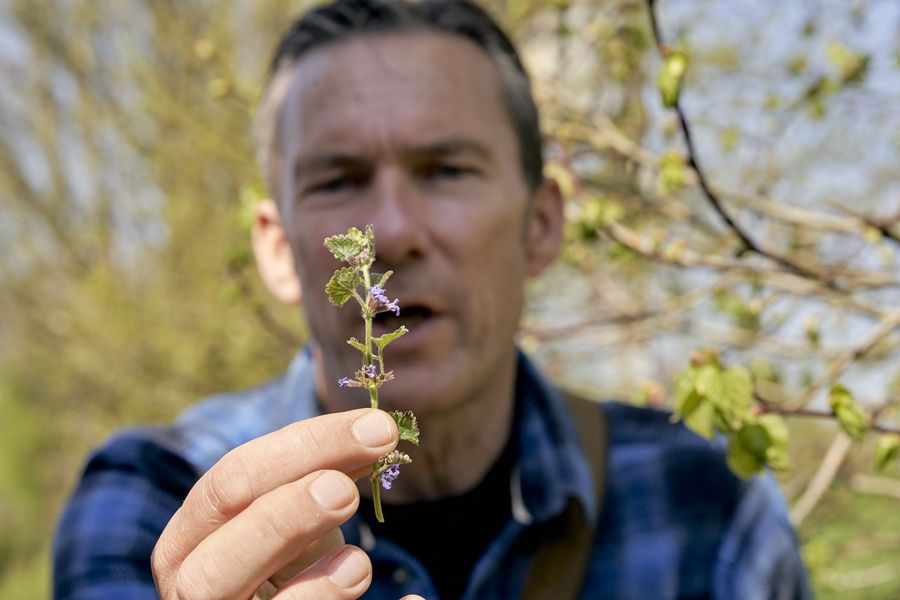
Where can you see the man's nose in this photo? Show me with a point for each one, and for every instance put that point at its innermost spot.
(397, 218)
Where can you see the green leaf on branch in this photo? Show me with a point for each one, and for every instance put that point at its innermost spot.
(851, 64)
(686, 398)
(670, 77)
(383, 340)
(736, 396)
(702, 421)
(849, 414)
(341, 285)
(887, 450)
(672, 173)
(709, 382)
(776, 455)
(350, 246)
(747, 450)
(406, 425)
(760, 443)
(357, 344)
(710, 398)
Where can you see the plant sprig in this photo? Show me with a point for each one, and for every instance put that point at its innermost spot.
(357, 249)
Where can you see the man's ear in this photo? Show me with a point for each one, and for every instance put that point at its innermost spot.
(545, 226)
(273, 253)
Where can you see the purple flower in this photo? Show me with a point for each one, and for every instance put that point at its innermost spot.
(378, 293)
(389, 475)
(383, 302)
(369, 371)
(393, 306)
(344, 382)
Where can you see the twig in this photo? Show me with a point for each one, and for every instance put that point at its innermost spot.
(822, 479)
(883, 226)
(713, 198)
(888, 323)
(767, 407)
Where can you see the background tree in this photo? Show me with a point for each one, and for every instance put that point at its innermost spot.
(766, 248)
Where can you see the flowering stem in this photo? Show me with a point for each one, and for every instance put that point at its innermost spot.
(357, 250)
(376, 495)
(373, 390)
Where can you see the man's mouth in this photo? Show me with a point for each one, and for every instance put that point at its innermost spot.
(411, 316)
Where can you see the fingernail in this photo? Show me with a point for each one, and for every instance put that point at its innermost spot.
(373, 429)
(348, 569)
(331, 491)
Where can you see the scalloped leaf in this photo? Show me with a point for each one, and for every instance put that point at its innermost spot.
(346, 246)
(407, 425)
(341, 285)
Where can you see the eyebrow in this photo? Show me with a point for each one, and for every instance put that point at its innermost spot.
(445, 147)
(452, 146)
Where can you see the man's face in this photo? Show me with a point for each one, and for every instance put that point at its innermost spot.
(408, 132)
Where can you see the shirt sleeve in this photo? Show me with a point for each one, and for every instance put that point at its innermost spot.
(759, 557)
(129, 490)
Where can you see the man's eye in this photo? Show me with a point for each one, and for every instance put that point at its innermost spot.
(442, 171)
(340, 182)
(334, 184)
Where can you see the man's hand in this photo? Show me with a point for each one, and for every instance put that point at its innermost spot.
(265, 518)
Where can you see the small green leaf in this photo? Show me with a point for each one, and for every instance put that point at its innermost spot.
(701, 420)
(741, 460)
(850, 416)
(776, 428)
(852, 420)
(407, 426)
(851, 64)
(887, 450)
(357, 344)
(670, 77)
(709, 383)
(380, 279)
(383, 340)
(736, 397)
(341, 285)
(350, 245)
(755, 439)
(672, 174)
(686, 398)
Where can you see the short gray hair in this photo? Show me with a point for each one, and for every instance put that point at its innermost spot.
(343, 19)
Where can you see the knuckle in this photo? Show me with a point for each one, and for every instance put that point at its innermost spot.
(194, 584)
(226, 488)
(280, 520)
(316, 439)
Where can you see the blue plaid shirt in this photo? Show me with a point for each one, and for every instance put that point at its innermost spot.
(675, 523)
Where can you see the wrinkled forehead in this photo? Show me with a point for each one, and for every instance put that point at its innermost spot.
(389, 80)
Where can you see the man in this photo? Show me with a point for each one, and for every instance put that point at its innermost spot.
(417, 119)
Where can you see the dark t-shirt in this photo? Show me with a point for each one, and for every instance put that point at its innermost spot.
(449, 535)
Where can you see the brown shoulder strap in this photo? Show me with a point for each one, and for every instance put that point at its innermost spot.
(557, 572)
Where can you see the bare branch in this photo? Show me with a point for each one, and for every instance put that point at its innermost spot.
(822, 479)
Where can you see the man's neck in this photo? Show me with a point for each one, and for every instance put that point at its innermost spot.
(459, 444)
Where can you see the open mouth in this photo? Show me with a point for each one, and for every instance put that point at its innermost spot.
(411, 316)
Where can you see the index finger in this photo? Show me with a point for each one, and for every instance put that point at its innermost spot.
(346, 441)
